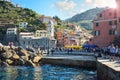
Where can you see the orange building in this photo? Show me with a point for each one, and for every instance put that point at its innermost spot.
(105, 27)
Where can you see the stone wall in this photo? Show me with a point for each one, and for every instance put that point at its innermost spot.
(70, 62)
(105, 72)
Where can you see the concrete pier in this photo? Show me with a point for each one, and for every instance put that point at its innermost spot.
(108, 70)
(70, 60)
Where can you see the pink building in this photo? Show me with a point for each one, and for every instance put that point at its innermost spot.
(105, 27)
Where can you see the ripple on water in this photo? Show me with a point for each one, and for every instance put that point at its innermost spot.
(46, 72)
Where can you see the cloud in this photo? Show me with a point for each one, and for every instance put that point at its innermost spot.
(65, 5)
(88, 1)
(103, 3)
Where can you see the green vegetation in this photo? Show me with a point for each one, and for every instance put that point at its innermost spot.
(11, 13)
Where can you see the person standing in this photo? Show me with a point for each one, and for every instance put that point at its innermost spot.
(112, 52)
(116, 52)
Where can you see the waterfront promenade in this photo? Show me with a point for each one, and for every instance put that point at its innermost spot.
(106, 69)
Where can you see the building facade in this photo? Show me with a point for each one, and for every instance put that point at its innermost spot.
(11, 36)
(41, 33)
(29, 39)
(118, 16)
(105, 27)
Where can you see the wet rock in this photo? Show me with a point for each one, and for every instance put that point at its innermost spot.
(29, 63)
(3, 64)
(20, 62)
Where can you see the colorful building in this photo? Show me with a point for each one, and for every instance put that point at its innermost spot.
(118, 16)
(105, 27)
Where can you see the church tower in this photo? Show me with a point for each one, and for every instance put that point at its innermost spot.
(50, 29)
(118, 16)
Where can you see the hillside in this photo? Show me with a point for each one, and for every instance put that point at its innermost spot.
(85, 19)
(15, 14)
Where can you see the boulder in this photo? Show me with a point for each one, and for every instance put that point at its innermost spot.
(9, 61)
(29, 63)
(23, 52)
(20, 62)
(5, 48)
(24, 57)
(36, 59)
(7, 55)
(15, 56)
(3, 64)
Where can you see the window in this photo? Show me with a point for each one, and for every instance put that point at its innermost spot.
(115, 22)
(100, 15)
(97, 24)
(28, 42)
(110, 22)
(23, 42)
(97, 33)
(110, 32)
(110, 14)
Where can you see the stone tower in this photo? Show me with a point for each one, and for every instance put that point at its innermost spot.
(118, 16)
(50, 29)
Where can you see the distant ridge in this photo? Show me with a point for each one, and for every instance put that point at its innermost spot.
(84, 19)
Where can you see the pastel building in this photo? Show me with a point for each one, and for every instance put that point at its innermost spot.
(11, 35)
(118, 16)
(41, 33)
(105, 27)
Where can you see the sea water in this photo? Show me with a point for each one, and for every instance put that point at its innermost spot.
(46, 72)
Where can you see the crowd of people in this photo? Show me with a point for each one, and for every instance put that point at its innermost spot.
(111, 52)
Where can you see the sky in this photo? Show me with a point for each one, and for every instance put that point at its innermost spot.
(64, 9)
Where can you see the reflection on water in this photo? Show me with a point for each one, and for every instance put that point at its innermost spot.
(46, 72)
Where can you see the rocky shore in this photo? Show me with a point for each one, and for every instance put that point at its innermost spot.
(18, 56)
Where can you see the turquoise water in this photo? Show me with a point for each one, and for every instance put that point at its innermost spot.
(46, 72)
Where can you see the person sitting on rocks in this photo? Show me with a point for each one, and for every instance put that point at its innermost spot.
(11, 44)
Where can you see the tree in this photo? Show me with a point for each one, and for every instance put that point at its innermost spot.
(59, 21)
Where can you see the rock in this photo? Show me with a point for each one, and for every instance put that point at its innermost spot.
(1, 48)
(1, 45)
(20, 62)
(29, 63)
(24, 57)
(36, 59)
(5, 48)
(23, 52)
(9, 61)
(15, 56)
(6, 55)
(3, 64)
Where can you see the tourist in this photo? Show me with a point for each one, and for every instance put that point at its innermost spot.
(112, 52)
(11, 44)
(116, 51)
(105, 52)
